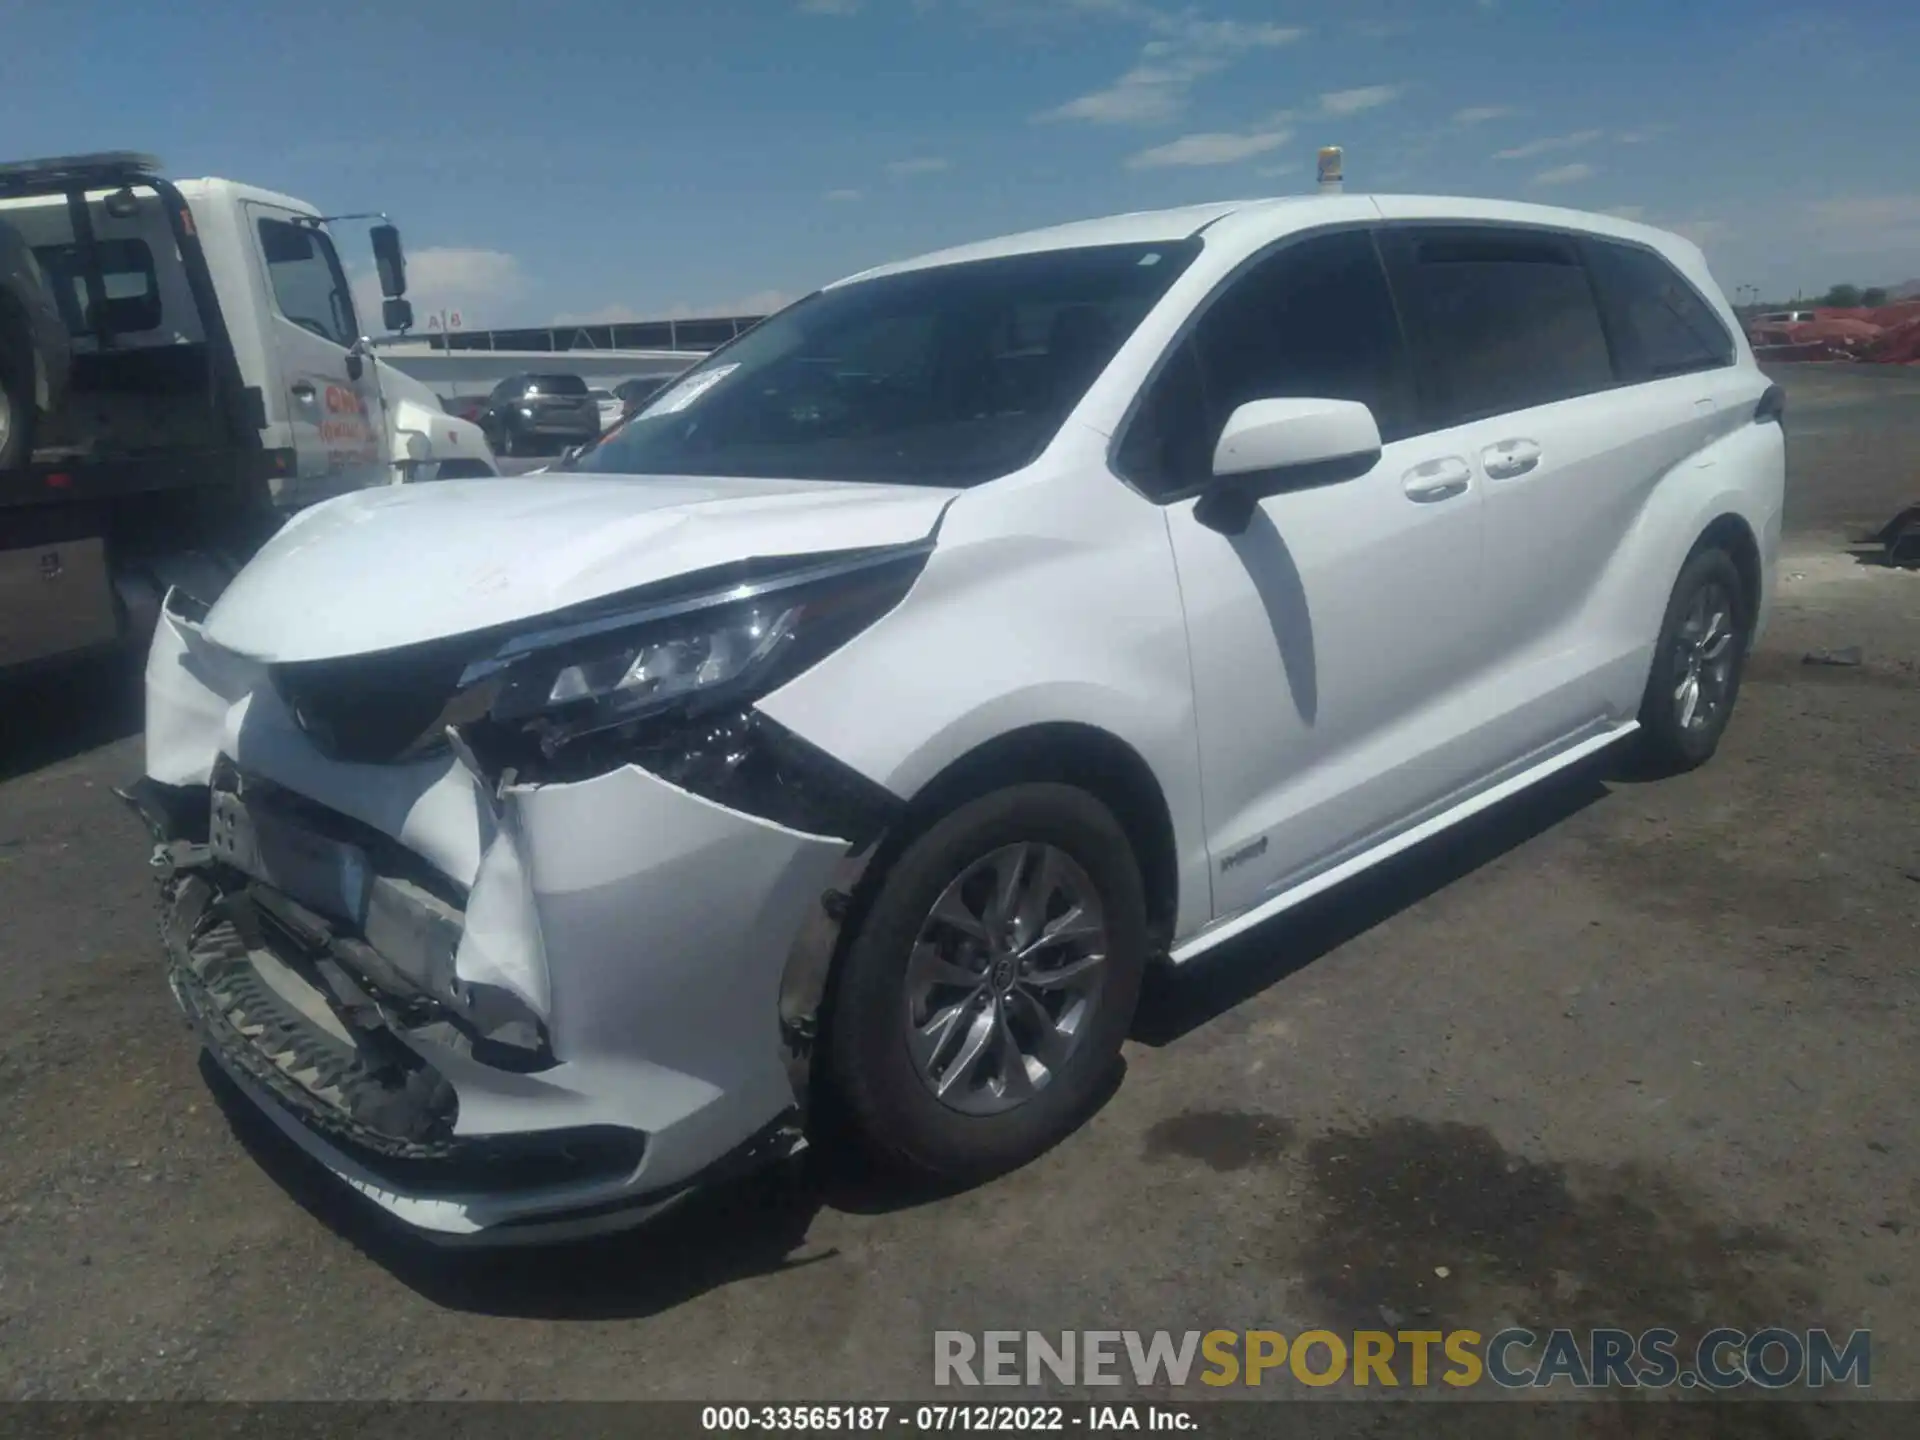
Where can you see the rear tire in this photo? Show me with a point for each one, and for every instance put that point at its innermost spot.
(1034, 1073)
(17, 408)
(1697, 664)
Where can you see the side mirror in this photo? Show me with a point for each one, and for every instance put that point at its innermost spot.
(397, 316)
(1269, 447)
(390, 260)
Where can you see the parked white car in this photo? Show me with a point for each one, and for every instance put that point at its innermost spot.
(611, 409)
(875, 706)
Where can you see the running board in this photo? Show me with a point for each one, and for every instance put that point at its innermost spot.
(1265, 910)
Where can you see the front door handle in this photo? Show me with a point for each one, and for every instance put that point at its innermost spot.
(1510, 458)
(1437, 480)
(303, 392)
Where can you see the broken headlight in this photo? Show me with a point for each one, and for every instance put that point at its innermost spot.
(684, 657)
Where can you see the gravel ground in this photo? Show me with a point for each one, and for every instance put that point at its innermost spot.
(1621, 1052)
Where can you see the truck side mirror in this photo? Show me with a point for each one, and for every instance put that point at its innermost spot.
(397, 316)
(390, 259)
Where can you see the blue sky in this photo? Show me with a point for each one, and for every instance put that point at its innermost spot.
(594, 158)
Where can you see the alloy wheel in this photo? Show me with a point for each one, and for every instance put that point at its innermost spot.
(1703, 659)
(1004, 978)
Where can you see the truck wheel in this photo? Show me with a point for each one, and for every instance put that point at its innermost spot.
(981, 1006)
(16, 404)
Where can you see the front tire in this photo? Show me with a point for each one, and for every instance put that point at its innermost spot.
(981, 1005)
(1697, 664)
(17, 414)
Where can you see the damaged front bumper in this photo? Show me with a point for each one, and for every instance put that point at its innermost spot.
(500, 1015)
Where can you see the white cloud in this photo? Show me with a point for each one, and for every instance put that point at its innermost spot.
(1702, 231)
(479, 284)
(829, 7)
(1549, 144)
(1184, 50)
(603, 315)
(926, 165)
(1352, 102)
(1209, 149)
(1481, 114)
(1642, 135)
(843, 194)
(1565, 174)
(761, 302)
(1861, 224)
(1627, 212)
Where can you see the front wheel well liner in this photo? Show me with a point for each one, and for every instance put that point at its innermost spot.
(1731, 533)
(1064, 753)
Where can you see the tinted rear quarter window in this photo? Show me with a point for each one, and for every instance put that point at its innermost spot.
(1501, 320)
(1661, 323)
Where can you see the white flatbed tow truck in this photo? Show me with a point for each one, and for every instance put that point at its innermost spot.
(217, 380)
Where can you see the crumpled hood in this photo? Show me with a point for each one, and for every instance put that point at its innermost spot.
(380, 569)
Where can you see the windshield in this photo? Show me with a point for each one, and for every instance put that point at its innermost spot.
(947, 376)
(555, 385)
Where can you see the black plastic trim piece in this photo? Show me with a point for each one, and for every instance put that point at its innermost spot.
(1227, 504)
(376, 1101)
(170, 812)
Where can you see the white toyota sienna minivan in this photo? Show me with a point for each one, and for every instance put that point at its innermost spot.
(872, 708)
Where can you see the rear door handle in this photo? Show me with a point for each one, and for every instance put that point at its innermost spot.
(303, 391)
(1509, 458)
(1437, 480)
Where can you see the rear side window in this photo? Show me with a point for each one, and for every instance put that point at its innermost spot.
(1314, 320)
(1660, 323)
(128, 283)
(1502, 320)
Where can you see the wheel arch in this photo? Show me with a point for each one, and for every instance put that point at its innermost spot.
(1070, 753)
(1729, 531)
(1065, 752)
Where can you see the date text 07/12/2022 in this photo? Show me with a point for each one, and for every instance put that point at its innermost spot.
(937, 1419)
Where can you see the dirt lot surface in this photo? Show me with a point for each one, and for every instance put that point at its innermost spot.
(1624, 1052)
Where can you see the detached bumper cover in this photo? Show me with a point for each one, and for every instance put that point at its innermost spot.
(490, 1007)
(354, 1082)
(663, 1064)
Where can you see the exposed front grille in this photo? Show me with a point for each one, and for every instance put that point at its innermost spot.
(368, 709)
(371, 1096)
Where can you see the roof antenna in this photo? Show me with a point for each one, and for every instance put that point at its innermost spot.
(1332, 158)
